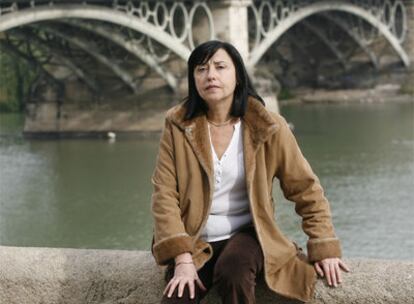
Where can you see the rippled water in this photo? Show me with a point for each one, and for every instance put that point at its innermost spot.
(96, 194)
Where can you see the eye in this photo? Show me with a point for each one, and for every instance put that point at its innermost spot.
(220, 67)
(201, 68)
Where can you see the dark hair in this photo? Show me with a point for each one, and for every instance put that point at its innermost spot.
(244, 88)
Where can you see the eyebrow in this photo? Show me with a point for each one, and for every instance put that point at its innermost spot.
(214, 62)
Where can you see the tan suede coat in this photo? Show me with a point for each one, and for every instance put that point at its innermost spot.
(183, 182)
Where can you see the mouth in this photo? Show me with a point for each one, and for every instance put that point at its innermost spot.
(211, 87)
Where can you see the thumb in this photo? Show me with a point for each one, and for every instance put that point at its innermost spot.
(200, 284)
(318, 269)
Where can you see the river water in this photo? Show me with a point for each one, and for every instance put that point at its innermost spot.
(92, 193)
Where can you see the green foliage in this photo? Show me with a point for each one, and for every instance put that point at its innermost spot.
(285, 94)
(15, 79)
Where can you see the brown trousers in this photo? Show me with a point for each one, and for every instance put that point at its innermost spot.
(233, 269)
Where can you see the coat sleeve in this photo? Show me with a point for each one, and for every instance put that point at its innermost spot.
(301, 185)
(170, 237)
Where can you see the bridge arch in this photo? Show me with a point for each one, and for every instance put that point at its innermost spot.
(36, 14)
(361, 44)
(316, 8)
(130, 47)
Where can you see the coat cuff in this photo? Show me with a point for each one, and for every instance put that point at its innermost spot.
(319, 249)
(168, 249)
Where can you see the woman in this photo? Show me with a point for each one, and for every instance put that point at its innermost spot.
(212, 202)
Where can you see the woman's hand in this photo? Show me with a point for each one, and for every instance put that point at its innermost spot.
(330, 268)
(184, 273)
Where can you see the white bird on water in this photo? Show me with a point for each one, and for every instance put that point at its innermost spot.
(111, 136)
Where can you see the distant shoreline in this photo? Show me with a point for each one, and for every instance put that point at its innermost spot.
(152, 122)
(379, 94)
(123, 135)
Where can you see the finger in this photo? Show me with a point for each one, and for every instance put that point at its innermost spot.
(181, 287)
(200, 284)
(172, 288)
(344, 266)
(333, 275)
(167, 287)
(338, 273)
(191, 287)
(318, 269)
(327, 274)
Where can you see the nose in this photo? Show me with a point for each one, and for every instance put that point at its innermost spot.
(211, 74)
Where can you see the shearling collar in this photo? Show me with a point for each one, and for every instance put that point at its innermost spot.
(258, 126)
(257, 119)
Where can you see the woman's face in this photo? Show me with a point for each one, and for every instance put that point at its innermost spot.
(216, 79)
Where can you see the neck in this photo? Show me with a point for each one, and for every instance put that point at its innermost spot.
(219, 113)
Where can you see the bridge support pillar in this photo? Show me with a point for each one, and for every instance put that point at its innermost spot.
(230, 20)
(231, 24)
(408, 44)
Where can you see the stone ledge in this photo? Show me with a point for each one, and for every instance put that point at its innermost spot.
(58, 275)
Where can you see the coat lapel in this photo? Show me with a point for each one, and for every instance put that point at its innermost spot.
(258, 126)
(196, 133)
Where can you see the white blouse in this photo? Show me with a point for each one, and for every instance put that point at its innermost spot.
(230, 209)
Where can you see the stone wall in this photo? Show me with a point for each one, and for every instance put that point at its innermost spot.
(42, 121)
(73, 276)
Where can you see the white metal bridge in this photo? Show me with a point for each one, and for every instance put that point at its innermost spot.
(154, 32)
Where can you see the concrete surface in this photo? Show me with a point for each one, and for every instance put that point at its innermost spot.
(57, 275)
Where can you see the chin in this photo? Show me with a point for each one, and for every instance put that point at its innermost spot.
(212, 98)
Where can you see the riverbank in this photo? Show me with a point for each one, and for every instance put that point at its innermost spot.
(42, 122)
(378, 94)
